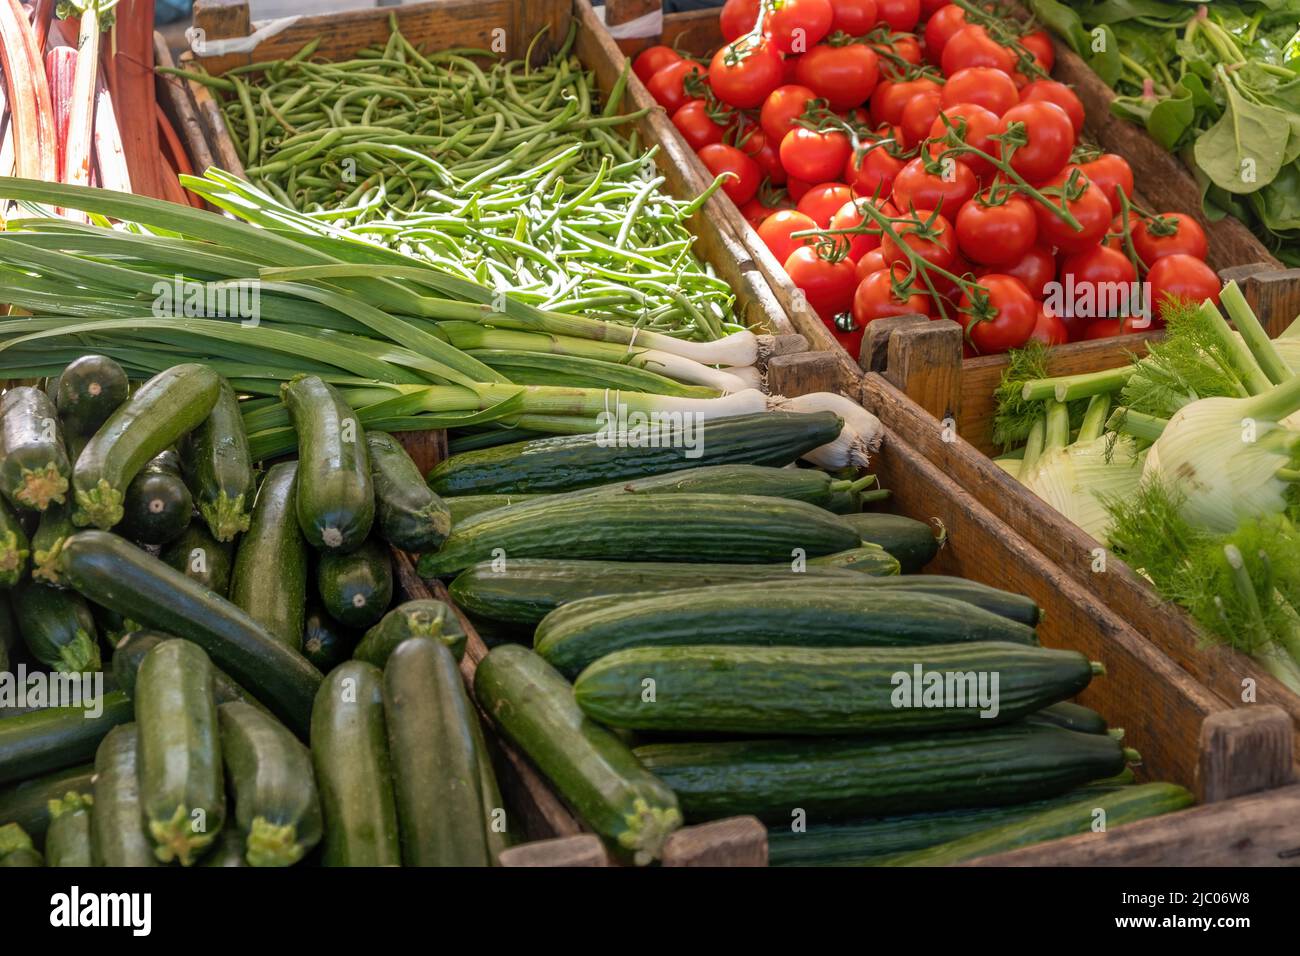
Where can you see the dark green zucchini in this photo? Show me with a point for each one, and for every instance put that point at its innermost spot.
(118, 830)
(228, 849)
(913, 543)
(14, 548)
(112, 572)
(88, 392)
(326, 642)
(427, 618)
(158, 505)
(201, 558)
(435, 758)
(9, 635)
(16, 848)
(57, 628)
(47, 544)
(111, 625)
(335, 498)
(135, 645)
(28, 803)
(219, 467)
(1071, 716)
(171, 404)
(274, 788)
(570, 462)
(270, 577)
(67, 842)
(410, 516)
(34, 467)
(357, 588)
(53, 738)
(349, 750)
(495, 817)
(589, 766)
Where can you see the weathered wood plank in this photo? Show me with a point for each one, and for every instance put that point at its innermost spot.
(737, 841)
(1243, 752)
(924, 361)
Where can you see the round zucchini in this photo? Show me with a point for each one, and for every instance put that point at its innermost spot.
(356, 588)
(58, 628)
(117, 825)
(15, 548)
(411, 517)
(47, 544)
(219, 467)
(158, 505)
(326, 642)
(431, 619)
(270, 577)
(34, 468)
(67, 842)
(88, 392)
(201, 558)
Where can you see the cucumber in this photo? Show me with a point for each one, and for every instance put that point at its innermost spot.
(168, 406)
(34, 467)
(132, 650)
(464, 507)
(1014, 607)
(868, 559)
(590, 767)
(47, 544)
(270, 576)
(58, 628)
(110, 571)
(181, 788)
(496, 820)
(201, 558)
(88, 392)
(1125, 805)
(356, 589)
(807, 615)
(569, 462)
(428, 618)
(270, 772)
(335, 498)
(16, 847)
(435, 758)
(326, 642)
(67, 842)
(845, 777)
(158, 505)
(913, 543)
(14, 548)
(410, 516)
(746, 529)
(28, 803)
(349, 750)
(219, 467)
(1071, 716)
(228, 850)
(119, 836)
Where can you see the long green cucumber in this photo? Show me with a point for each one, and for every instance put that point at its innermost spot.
(326, 642)
(590, 767)
(34, 467)
(410, 516)
(202, 558)
(110, 571)
(88, 392)
(119, 834)
(15, 549)
(47, 544)
(496, 819)
(168, 406)
(52, 738)
(335, 498)
(274, 788)
(67, 842)
(435, 758)
(219, 467)
(158, 505)
(57, 628)
(913, 543)
(27, 802)
(357, 588)
(135, 646)
(1071, 716)
(349, 750)
(17, 849)
(270, 575)
(181, 782)
(424, 618)
(464, 507)
(845, 777)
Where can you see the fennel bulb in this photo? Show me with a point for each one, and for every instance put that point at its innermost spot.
(1076, 479)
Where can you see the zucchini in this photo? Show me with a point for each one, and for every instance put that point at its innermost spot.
(201, 558)
(14, 548)
(181, 788)
(130, 654)
(16, 847)
(270, 576)
(111, 625)
(57, 628)
(228, 850)
(52, 738)
(356, 589)
(67, 842)
(28, 803)
(335, 498)
(496, 820)
(411, 517)
(428, 618)
(590, 767)
(219, 467)
(158, 505)
(88, 392)
(34, 467)
(435, 758)
(913, 543)
(274, 788)
(349, 750)
(119, 837)
(690, 528)
(9, 636)
(844, 777)
(569, 462)
(326, 642)
(868, 559)
(1125, 805)
(110, 571)
(47, 544)
(1071, 716)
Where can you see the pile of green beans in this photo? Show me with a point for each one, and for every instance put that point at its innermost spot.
(510, 175)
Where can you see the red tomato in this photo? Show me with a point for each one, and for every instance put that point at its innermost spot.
(854, 17)
(822, 202)
(797, 188)
(930, 7)
(828, 285)
(696, 125)
(776, 229)
(1035, 269)
(795, 26)
(739, 17)
(1109, 328)
(940, 28)
(934, 241)
(975, 125)
(1096, 283)
(1110, 172)
(1049, 329)
(1039, 43)
(948, 190)
(972, 46)
(653, 59)
(851, 216)
(905, 46)
(843, 76)
(668, 85)
(1050, 91)
(876, 296)
(918, 116)
(1098, 265)
(766, 156)
(1091, 209)
(743, 74)
(872, 261)
(999, 235)
(890, 96)
(746, 174)
(785, 105)
(815, 156)
(1050, 140)
(1006, 320)
(1180, 276)
(755, 212)
(872, 174)
(901, 15)
(984, 86)
(1169, 234)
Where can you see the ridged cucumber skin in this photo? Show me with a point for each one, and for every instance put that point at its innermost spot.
(112, 572)
(269, 580)
(47, 544)
(132, 650)
(335, 499)
(834, 778)
(34, 466)
(1007, 604)
(570, 462)
(409, 515)
(1071, 716)
(807, 615)
(273, 785)
(202, 558)
(88, 392)
(158, 504)
(912, 542)
(822, 691)
(15, 548)
(326, 642)
(165, 408)
(464, 507)
(686, 528)
(16, 848)
(67, 842)
(357, 588)
(57, 628)
(53, 738)
(27, 802)
(1125, 805)
(592, 769)
(349, 749)
(219, 467)
(424, 618)
(181, 781)
(118, 830)
(435, 758)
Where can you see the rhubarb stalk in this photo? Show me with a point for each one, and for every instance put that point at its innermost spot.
(35, 142)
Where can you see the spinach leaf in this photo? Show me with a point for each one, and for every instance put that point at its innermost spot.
(1171, 118)
(1243, 151)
